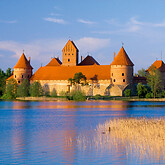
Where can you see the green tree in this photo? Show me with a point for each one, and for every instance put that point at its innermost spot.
(8, 72)
(23, 89)
(142, 90)
(127, 92)
(154, 80)
(11, 89)
(78, 77)
(36, 89)
(2, 85)
(141, 73)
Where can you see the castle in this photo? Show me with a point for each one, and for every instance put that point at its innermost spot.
(110, 79)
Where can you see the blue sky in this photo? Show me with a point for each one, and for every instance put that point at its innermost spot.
(98, 27)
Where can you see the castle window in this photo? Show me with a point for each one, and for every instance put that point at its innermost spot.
(69, 54)
(18, 81)
(114, 80)
(122, 74)
(68, 60)
(112, 74)
(15, 76)
(22, 76)
(123, 80)
(65, 54)
(72, 54)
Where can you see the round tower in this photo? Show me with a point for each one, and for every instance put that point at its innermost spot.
(122, 69)
(23, 69)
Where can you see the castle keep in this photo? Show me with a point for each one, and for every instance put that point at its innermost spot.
(110, 79)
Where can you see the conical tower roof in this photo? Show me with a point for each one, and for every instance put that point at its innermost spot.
(122, 58)
(23, 63)
(54, 62)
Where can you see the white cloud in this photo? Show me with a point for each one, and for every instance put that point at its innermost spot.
(86, 21)
(55, 20)
(41, 51)
(10, 22)
(89, 44)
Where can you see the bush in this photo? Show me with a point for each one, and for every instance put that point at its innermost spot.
(163, 93)
(63, 93)
(97, 97)
(149, 95)
(142, 90)
(77, 95)
(127, 93)
(54, 93)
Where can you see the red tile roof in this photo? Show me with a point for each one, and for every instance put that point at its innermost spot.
(158, 64)
(23, 63)
(89, 60)
(122, 58)
(100, 72)
(54, 62)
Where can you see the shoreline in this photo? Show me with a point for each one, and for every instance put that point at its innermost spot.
(92, 99)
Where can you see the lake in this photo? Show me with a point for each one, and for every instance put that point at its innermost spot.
(66, 132)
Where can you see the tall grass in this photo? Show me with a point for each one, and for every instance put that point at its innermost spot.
(143, 135)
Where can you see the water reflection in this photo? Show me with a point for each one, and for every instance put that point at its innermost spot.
(63, 132)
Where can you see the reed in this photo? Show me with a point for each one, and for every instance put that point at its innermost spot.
(145, 136)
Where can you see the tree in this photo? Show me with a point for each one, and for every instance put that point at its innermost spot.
(23, 89)
(36, 89)
(11, 89)
(3, 77)
(8, 72)
(142, 72)
(154, 80)
(127, 92)
(2, 85)
(142, 90)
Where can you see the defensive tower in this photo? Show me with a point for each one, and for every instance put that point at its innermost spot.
(122, 69)
(23, 69)
(70, 54)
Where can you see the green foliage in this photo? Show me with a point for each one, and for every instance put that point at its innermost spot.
(142, 90)
(36, 89)
(8, 72)
(149, 95)
(54, 93)
(63, 93)
(141, 73)
(2, 85)
(23, 89)
(78, 78)
(77, 95)
(97, 97)
(154, 80)
(127, 93)
(11, 89)
(3, 77)
(163, 93)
